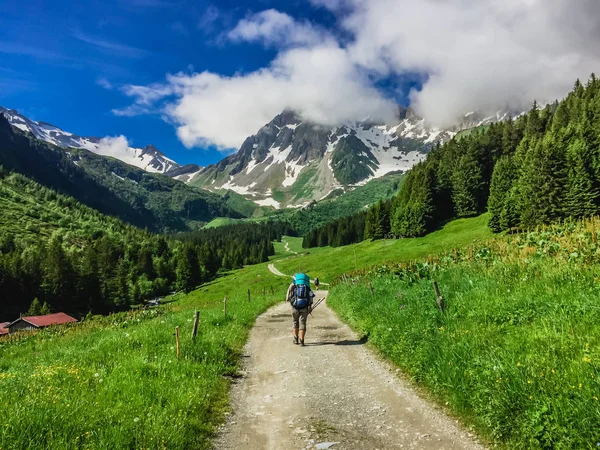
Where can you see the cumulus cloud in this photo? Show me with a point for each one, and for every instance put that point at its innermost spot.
(478, 55)
(481, 55)
(115, 146)
(320, 83)
(274, 28)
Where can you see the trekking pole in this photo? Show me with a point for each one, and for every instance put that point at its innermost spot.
(317, 304)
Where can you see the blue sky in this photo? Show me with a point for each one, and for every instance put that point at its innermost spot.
(54, 56)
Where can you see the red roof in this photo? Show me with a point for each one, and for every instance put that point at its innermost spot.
(49, 319)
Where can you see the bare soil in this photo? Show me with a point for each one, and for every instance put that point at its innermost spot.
(332, 393)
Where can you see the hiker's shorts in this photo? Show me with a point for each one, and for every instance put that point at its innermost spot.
(300, 316)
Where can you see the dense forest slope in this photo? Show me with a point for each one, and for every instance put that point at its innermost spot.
(76, 260)
(110, 186)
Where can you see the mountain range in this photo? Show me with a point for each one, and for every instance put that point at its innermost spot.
(290, 161)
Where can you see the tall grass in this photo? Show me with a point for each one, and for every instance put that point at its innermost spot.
(117, 383)
(517, 351)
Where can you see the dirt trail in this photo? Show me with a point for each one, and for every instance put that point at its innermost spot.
(275, 271)
(331, 391)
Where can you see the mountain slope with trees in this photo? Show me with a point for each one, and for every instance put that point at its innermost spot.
(57, 252)
(110, 186)
(539, 168)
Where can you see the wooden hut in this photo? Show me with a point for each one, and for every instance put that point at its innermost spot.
(29, 323)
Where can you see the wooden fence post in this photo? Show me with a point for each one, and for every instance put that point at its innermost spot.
(440, 299)
(225, 306)
(272, 291)
(248, 294)
(371, 288)
(264, 292)
(177, 339)
(195, 329)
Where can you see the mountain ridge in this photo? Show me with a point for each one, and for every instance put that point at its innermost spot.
(148, 158)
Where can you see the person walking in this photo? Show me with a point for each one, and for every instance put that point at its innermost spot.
(316, 283)
(300, 297)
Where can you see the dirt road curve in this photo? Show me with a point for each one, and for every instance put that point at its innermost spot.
(331, 391)
(275, 271)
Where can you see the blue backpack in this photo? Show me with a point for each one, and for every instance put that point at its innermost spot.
(301, 298)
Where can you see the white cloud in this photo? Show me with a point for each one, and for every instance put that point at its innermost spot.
(478, 55)
(274, 28)
(473, 55)
(103, 82)
(116, 146)
(320, 83)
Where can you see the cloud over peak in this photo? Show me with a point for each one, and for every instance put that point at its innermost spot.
(484, 55)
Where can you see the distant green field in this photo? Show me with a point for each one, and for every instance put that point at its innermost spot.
(327, 263)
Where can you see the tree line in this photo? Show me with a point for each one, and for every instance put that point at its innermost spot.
(98, 264)
(539, 168)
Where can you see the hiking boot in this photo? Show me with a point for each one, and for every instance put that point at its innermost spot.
(302, 343)
(296, 340)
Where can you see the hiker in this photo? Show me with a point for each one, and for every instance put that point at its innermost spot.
(317, 283)
(300, 297)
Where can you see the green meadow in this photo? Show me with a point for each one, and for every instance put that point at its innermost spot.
(516, 353)
(328, 263)
(116, 382)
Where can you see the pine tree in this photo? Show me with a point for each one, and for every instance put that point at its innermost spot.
(581, 195)
(188, 270)
(467, 187)
(45, 310)
(502, 181)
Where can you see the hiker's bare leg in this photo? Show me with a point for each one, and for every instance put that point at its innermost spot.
(302, 333)
(295, 332)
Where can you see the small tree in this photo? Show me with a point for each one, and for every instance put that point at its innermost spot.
(45, 309)
(35, 309)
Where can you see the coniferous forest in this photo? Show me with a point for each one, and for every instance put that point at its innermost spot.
(539, 168)
(57, 254)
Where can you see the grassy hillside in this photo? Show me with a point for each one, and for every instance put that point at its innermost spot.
(327, 263)
(516, 353)
(116, 382)
(30, 211)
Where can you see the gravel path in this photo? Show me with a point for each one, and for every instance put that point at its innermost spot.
(333, 393)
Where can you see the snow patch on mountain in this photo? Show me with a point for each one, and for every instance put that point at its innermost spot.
(268, 202)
